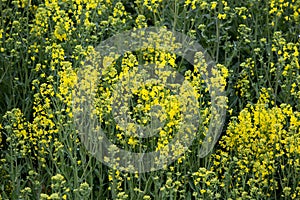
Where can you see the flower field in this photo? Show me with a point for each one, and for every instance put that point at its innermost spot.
(47, 53)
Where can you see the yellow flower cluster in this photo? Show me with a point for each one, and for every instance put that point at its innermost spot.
(204, 178)
(151, 5)
(243, 84)
(287, 67)
(220, 8)
(288, 10)
(264, 146)
(147, 94)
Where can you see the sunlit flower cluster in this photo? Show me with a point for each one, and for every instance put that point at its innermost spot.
(260, 149)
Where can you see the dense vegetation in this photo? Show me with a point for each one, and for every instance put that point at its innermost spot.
(255, 45)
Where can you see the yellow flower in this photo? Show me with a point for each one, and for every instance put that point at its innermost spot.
(132, 141)
(202, 191)
(145, 94)
(222, 16)
(213, 5)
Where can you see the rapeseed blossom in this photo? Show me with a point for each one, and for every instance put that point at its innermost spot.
(43, 47)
